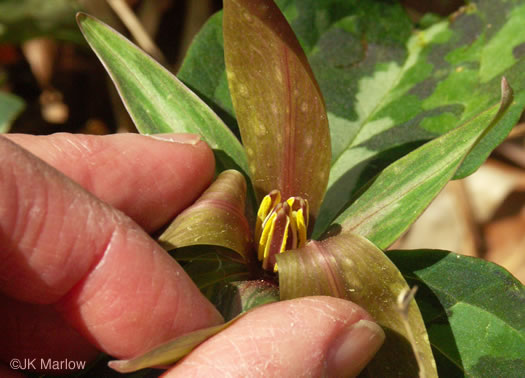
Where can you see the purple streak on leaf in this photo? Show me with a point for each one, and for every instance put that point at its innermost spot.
(216, 218)
(350, 267)
(326, 267)
(278, 103)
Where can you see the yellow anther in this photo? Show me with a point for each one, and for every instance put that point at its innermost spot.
(267, 243)
(267, 233)
(280, 226)
(302, 226)
(267, 205)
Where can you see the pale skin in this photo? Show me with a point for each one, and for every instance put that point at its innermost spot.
(79, 273)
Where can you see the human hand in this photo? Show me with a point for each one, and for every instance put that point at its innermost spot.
(79, 272)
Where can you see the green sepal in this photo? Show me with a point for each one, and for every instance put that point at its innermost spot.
(350, 267)
(216, 218)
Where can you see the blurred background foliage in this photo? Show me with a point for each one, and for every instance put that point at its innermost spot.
(46, 63)
(50, 81)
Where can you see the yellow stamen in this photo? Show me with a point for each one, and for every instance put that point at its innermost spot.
(280, 226)
(267, 233)
(302, 226)
(267, 205)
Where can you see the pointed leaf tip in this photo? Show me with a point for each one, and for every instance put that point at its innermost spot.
(170, 352)
(278, 103)
(80, 16)
(404, 189)
(507, 94)
(155, 99)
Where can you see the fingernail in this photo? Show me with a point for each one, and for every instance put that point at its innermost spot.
(192, 139)
(353, 349)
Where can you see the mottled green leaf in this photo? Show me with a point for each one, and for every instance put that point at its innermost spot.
(433, 86)
(350, 267)
(388, 89)
(156, 100)
(216, 218)
(402, 191)
(10, 108)
(278, 103)
(474, 312)
(21, 20)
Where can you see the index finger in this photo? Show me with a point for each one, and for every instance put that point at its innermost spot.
(151, 179)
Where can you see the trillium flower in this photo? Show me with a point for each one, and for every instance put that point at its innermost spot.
(284, 128)
(252, 227)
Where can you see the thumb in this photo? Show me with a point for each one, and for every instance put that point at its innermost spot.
(313, 336)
